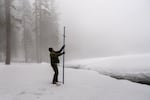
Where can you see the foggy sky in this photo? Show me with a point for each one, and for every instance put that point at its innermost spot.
(97, 28)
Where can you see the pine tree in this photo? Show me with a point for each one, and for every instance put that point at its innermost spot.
(8, 31)
(46, 27)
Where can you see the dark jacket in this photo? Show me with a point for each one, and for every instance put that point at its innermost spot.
(55, 54)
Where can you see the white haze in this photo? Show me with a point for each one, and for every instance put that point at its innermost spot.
(97, 28)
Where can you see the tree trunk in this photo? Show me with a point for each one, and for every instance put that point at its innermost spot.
(37, 31)
(8, 32)
(24, 32)
(40, 28)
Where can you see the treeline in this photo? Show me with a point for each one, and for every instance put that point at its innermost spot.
(31, 30)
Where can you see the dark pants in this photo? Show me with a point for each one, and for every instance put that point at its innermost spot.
(55, 68)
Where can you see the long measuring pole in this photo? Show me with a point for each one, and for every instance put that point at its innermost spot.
(64, 55)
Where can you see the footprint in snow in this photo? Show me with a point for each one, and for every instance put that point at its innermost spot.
(22, 93)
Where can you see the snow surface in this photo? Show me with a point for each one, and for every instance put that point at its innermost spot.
(135, 68)
(32, 82)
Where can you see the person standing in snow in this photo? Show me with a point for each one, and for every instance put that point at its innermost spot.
(54, 61)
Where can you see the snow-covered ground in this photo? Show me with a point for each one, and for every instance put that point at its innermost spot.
(135, 68)
(32, 82)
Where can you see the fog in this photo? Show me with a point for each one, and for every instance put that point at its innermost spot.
(98, 28)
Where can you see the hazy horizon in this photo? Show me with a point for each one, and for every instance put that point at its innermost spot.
(97, 28)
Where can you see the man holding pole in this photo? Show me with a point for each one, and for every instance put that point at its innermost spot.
(54, 61)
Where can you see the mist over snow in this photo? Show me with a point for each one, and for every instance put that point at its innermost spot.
(134, 68)
(97, 28)
(107, 51)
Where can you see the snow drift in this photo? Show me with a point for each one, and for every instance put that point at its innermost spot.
(135, 68)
